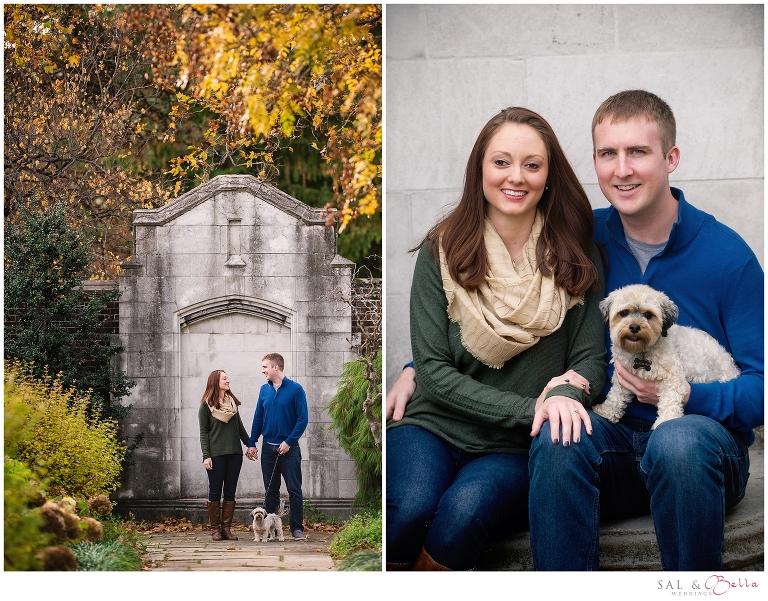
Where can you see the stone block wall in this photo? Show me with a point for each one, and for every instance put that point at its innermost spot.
(451, 67)
(221, 276)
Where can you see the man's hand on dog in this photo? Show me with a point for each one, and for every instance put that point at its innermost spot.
(644, 390)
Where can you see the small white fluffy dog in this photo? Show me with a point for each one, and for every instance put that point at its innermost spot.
(645, 341)
(268, 526)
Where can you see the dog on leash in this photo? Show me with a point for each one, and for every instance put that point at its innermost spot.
(268, 526)
(646, 341)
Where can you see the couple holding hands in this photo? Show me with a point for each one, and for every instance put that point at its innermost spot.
(280, 418)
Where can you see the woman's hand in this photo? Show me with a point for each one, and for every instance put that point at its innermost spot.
(562, 412)
(644, 390)
(400, 393)
(208, 463)
(571, 378)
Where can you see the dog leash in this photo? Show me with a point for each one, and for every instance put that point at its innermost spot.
(270, 478)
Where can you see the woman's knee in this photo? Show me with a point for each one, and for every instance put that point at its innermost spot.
(549, 458)
(410, 510)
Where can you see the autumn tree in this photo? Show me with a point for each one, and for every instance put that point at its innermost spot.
(113, 108)
(263, 78)
(80, 108)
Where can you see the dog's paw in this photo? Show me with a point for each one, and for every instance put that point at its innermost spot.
(660, 420)
(601, 411)
(607, 412)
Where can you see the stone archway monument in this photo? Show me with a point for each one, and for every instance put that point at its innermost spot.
(221, 276)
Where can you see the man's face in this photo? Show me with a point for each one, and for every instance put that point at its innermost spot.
(632, 169)
(270, 370)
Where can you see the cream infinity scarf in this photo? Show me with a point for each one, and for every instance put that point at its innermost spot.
(227, 409)
(513, 308)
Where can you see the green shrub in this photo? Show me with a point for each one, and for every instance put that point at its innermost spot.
(361, 532)
(315, 516)
(353, 431)
(61, 444)
(22, 521)
(110, 556)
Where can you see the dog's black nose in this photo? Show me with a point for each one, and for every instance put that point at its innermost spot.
(634, 328)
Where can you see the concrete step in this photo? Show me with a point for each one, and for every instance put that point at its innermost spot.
(630, 544)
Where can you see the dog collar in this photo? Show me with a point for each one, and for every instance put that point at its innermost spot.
(642, 362)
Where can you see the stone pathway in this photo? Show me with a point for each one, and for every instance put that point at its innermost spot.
(195, 551)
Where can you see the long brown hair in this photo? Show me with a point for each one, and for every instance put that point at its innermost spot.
(212, 390)
(564, 246)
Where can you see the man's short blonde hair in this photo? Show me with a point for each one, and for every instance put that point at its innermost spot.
(629, 104)
(276, 359)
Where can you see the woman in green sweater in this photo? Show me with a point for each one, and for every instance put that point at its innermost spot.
(506, 333)
(221, 432)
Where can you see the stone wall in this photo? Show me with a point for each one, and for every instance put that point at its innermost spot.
(451, 67)
(221, 276)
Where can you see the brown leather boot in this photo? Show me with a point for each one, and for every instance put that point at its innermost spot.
(425, 563)
(214, 517)
(227, 511)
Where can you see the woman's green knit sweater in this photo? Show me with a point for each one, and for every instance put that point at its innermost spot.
(220, 438)
(481, 409)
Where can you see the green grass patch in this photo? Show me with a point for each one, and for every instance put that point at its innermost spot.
(111, 556)
(363, 561)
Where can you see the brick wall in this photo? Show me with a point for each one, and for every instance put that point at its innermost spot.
(110, 314)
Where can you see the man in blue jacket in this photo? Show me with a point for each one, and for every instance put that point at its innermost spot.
(281, 418)
(688, 471)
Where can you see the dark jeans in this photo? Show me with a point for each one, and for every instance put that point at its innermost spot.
(289, 467)
(447, 500)
(225, 472)
(685, 473)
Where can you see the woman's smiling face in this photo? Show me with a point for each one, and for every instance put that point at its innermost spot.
(515, 169)
(223, 381)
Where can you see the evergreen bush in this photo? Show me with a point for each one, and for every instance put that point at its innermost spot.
(52, 323)
(353, 431)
